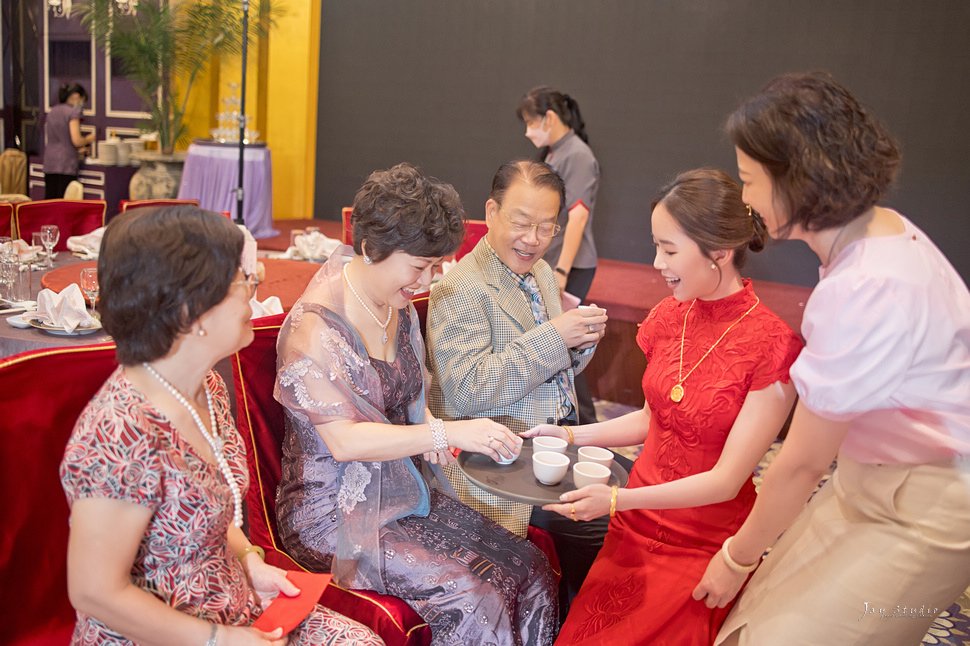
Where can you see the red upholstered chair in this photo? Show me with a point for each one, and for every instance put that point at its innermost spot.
(127, 205)
(346, 230)
(260, 419)
(41, 395)
(420, 303)
(6, 219)
(74, 217)
(475, 230)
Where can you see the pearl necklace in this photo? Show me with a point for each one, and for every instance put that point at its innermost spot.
(390, 310)
(215, 442)
(677, 392)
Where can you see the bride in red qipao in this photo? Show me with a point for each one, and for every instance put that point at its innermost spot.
(717, 392)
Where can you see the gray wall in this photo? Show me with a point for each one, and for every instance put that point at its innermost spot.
(436, 82)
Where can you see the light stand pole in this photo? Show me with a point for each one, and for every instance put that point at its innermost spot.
(242, 113)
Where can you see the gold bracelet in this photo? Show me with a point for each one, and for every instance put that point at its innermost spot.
(253, 548)
(570, 438)
(733, 565)
(613, 501)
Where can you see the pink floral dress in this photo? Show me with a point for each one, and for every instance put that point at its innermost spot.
(122, 448)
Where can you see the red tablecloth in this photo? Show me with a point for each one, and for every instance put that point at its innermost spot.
(284, 278)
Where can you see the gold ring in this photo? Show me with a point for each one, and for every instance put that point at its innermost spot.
(572, 512)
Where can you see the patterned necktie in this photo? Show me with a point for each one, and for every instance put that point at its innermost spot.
(531, 288)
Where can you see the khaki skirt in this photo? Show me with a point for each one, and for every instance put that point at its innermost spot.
(873, 559)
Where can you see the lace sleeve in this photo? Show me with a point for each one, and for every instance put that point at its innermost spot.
(321, 376)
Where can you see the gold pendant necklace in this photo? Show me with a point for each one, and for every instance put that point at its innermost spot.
(677, 392)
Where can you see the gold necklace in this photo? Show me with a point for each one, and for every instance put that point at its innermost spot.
(390, 311)
(677, 392)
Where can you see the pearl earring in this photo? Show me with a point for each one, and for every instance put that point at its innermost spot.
(713, 266)
(201, 331)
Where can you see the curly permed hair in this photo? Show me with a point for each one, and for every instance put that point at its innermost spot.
(830, 159)
(401, 209)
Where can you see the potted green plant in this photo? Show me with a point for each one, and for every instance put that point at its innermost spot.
(165, 40)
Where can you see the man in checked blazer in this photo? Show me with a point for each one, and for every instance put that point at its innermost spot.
(500, 346)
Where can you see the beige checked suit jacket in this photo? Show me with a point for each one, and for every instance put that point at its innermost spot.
(488, 358)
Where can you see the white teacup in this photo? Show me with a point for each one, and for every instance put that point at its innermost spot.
(549, 443)
(504, 461)
(597, 455)
(549, 467)
(587, 473)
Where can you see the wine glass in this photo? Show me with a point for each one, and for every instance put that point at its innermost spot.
(49, 235)
(89, 284)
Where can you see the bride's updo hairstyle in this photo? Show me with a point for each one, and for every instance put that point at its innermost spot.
(706, 203)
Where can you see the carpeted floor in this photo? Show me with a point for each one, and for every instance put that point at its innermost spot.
(951, 628)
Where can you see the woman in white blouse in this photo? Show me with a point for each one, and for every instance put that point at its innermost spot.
(884, 385)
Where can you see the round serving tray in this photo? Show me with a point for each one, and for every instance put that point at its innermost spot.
(516, 481)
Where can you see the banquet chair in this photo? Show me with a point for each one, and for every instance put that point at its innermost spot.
(475, 230)
(73, 217)
(126, 205)
(74, 190)
(346, 228)
(6, 219)
(260, 420)
(42, 393)
(420, 302)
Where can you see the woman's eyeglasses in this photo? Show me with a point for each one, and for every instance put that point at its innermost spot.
(250, 281)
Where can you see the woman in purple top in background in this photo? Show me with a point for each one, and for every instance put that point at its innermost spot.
(64, 140)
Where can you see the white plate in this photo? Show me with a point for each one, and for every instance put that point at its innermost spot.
(60, 331)
(18, 322)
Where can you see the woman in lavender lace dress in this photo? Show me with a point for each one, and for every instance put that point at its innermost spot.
(355, 496)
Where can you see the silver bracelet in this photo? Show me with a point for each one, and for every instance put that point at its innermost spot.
(213, 633)
(438, 436)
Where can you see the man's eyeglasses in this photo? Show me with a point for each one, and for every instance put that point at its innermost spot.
(544, 230)
(250, 281)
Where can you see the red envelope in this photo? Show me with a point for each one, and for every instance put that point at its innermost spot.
(287, 612)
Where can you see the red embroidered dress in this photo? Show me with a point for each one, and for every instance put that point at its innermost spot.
(639, 589)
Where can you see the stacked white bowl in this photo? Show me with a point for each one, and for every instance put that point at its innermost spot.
(108, 152)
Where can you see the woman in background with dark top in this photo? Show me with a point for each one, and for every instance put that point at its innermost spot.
(64, 140)
(555, 126)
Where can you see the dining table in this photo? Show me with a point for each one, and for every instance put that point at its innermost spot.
(283, 278)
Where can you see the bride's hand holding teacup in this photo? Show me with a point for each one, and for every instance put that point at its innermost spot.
(546, 430)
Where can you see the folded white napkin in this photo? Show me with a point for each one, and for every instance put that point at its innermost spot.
(26, 252)
(65, 309)
(248, 261)
(87, 245)
(314, 246)
(268, 307)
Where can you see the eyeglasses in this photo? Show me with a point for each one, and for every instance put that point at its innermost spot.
(250, 281)
(544, 230)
